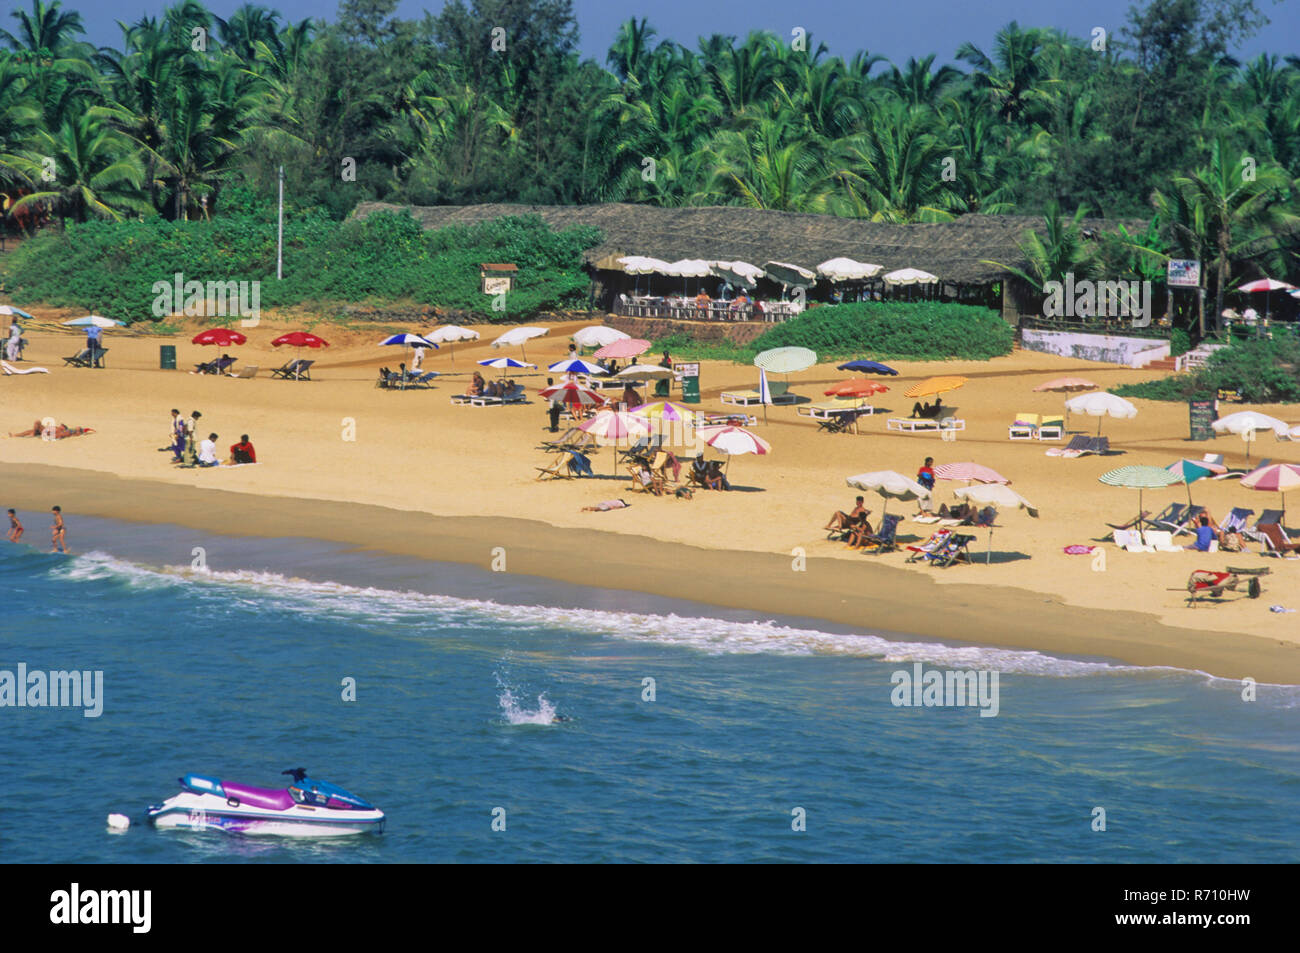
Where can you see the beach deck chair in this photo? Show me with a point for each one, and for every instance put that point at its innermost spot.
(1078, 444)
(936, 541)
(955, 550)
(567, 465)
(1236, 473)
(644, 480)
(1140, 518)
(1173, 513)
(1162, 541)
(1024, 428)
(1132, 541)
(1236, 520)
(219, 366)
(1279, 544)
(884, 539)
(81, 358)
(643, 448)
(780, 391)
(296, 370)
(1186, 523)
(661, 465)
(575, 438)
(842, 422)
(245, 373)
(1051, 428)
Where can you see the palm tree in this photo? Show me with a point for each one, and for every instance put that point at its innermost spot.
(917, 85)
(45, 31)
(1057, 252)
(1011, 77)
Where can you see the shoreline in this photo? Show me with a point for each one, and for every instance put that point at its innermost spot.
(870, 596)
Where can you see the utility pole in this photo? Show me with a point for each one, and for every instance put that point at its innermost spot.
(279, 241)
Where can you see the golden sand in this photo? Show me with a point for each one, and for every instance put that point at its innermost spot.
(424, 477)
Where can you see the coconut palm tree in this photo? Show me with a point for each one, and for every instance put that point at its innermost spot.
(1011, 78)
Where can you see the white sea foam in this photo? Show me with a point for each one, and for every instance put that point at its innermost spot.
(517, 715)
(701, 634)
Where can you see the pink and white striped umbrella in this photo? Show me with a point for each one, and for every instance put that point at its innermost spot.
(626, 347)
(733, 440)
(1277, 477)
(615, 425)
(969, 472)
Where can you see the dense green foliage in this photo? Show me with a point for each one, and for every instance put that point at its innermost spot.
(1260, 370)
(919, 331)
(112, 267)
(193, 107)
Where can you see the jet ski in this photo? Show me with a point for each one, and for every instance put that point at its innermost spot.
(306, 808)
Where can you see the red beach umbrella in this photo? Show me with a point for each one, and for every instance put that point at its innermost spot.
(221, 337)
(858, 387)
(300, 340)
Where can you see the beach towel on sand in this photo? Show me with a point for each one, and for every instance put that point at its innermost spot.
(1078, 550)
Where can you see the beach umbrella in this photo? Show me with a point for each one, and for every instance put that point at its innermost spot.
(689, 268)
(785, 360)
(11, 311)
(739, 273)
(1141, 477)
(733, 441)
(517, 337)
(571, 392)
(576, 365)
(1245, 423)
(625, 347)
(407, 339)
(909, 276)
(1266, 286)
(932, 386)
(664, 410)
(94, 320)
(299, 340)
(1066, 384)
(642, 265)
(598, 335)
(789, 276)
(615, 425)
(501, 363)
(450, 334)
(1189, 471)
(868, 367)
(1278, 477)
(1101, 404)
(969, 472)
(645, 372)
(858, 387)
(890, 485)
(846, 269)
(993, 494)
(220, 337)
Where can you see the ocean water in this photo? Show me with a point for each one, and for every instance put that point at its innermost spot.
(236, 671)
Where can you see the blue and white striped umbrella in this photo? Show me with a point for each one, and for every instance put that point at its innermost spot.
(11, 310)
(406, 339)
(576, 365)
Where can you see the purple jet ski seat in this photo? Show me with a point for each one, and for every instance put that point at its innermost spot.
(270, 799)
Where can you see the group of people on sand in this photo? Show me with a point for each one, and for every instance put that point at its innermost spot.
(481, 388)
(188, 451)
(58, 530)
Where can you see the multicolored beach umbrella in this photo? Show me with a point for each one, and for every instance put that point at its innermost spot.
(1278, 477)
(1141, 477)
(1189, 471)
(571, 392)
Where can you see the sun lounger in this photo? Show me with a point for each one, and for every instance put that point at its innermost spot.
(566, 465)
(645, 481)
(1235, 521)
(884, 539)
(735, 420)
(10, 369)
(298, 370)
(1173, 514)
(574, 438)
(954, 550)
(829, 409)
(1279, 544)
(1024, 428)
(1187, 523)
(1140, 518)
(644, 447)
(1051, 428)
(1077, 445)
(83, 358)
(247, 372)
(219, 366)
(1236, 473)
(1162, 541)
(779, 390)
(922, 425)
(936, 542)
(1131, 540)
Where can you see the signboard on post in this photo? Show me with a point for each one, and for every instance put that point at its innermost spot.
(1201, 415)
(497, 279)
(1184, 273)
(690, 382)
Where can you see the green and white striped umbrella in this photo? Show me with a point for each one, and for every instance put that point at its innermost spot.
(786, 360)
(1140, 478)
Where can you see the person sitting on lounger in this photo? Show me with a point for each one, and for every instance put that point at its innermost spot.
(860, 534)
(1206, 533)
(962, 512)
(714, 479)
(700, 470)
(842, 520)
(243, 451)
(476, 386)
(490, 389)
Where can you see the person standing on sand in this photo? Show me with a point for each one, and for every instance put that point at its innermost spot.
(58, 532)
(15, 528)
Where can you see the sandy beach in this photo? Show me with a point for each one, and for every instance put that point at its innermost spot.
(425, 478)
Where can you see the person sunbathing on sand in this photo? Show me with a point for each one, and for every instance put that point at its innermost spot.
(602, 507)
(53, 432)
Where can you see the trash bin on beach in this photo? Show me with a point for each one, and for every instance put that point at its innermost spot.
(167, 357)
(690, 383)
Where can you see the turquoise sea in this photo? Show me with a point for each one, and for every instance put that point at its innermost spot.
(236, 669)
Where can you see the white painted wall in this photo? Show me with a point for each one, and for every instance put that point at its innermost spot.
(1106, 348)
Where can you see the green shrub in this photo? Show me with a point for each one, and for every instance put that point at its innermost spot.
(111, 267)
(684, 347)
(920, 331)
(1262, 371)
(1180, 342)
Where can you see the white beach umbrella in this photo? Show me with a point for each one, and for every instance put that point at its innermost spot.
(995, 494)
(516, 337)
(740, 273)
(788, 275)
(1101, 404)
(449, 334)
(890, 485)
(645, 372)
(785, 360)
(846, 269)
(1246, 423)
(598, 335)
(643, 265)
(94, 320)
(910, 276)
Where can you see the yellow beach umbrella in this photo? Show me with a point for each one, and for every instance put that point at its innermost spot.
(934, 385)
